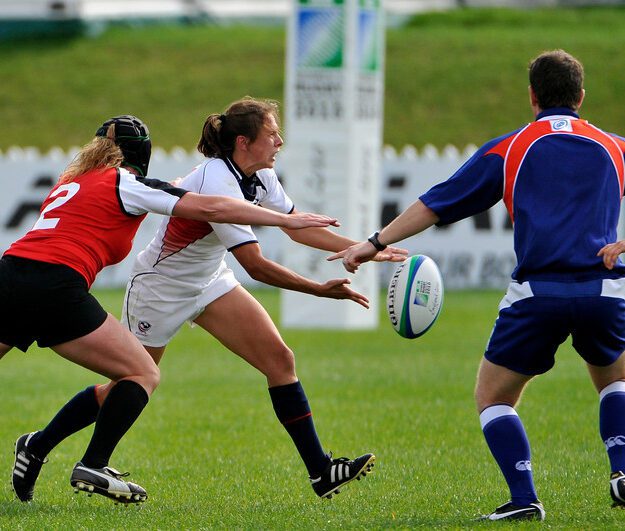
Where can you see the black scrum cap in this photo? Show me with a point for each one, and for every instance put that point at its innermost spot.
(133, 138)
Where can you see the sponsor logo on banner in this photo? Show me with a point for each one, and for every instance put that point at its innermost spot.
(369, 51)
(369, 46)
(319, 53)
(320, 37)
(320, 60)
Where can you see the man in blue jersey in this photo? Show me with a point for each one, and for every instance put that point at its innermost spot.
(561, 180)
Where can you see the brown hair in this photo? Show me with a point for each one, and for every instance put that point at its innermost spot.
(101, 152)
(244, 117)
(557, 79)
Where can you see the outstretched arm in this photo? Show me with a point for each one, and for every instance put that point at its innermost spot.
(326, 240)
(221, 209)
(269, 272)
(415, 219)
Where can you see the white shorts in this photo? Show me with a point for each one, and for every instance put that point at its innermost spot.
(155, 306)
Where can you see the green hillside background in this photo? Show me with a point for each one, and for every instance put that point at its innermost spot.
(456, 77)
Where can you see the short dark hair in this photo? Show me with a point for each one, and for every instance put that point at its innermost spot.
(557, 79)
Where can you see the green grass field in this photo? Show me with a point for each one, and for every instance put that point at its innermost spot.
(212, 455)
(457, 77)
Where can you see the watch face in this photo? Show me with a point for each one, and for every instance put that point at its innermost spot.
(375, 242)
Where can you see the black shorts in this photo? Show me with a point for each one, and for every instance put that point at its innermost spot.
(47, 303)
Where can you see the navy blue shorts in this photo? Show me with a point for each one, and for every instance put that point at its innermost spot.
(47, 303)
(535, 318)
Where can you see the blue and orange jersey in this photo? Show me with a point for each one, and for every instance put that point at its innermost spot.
(561, 180)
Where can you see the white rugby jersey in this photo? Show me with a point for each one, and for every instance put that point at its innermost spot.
(192, 251)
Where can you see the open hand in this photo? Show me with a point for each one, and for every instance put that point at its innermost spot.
(611, 252)
(391, 254)
(302, 220)
(355, 255)
(338, 288)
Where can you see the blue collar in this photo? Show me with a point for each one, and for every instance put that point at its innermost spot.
(247, 184)
(557, 111)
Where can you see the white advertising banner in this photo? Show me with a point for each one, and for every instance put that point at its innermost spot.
(26, 177)
(334, 95)
(473, 253)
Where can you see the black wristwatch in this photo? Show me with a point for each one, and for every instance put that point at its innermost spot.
(375, 242)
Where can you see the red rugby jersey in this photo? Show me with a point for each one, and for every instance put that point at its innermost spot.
(90, 222)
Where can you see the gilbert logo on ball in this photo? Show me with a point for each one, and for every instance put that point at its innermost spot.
(415, 296)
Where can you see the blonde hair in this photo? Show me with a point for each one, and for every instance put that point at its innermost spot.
(101, 152)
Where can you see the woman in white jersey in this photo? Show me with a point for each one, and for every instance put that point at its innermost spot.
(182, 276)
(87, 222)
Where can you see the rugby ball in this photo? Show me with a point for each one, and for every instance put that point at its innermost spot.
(415, 296)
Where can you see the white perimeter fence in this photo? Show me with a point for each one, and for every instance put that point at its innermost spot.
(476, 252)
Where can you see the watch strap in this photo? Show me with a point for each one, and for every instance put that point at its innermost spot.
(373, 239)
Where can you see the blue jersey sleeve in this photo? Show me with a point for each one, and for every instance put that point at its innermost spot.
(475, 187)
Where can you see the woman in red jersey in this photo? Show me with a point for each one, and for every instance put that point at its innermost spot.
(88, 221)
(182, 276)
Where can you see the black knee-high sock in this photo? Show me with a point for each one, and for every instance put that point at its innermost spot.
(292, 409)
(78, 413)
(121, 408)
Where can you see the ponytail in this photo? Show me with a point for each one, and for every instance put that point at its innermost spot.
(244, 117)
(210, 144)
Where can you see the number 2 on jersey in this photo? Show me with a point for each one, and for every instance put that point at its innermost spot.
(49, 223)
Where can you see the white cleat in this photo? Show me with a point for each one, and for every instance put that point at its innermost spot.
(107, 482)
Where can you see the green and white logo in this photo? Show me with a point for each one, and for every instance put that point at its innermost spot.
(422, 292)
(321, 35)
(369, 51)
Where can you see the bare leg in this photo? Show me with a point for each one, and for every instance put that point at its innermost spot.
(498, 385)
(242, 325)
(240, 322)
(604, 376)
(102, 391)
(114, 352)
(111, 351)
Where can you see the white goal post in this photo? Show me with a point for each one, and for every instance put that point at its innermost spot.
(334, 112)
